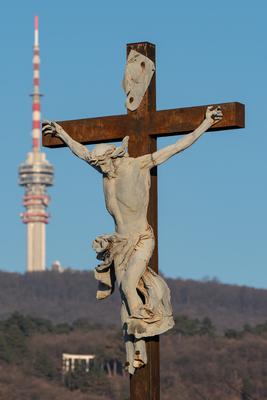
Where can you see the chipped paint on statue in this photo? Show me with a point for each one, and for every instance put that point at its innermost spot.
(138, 74)
(125, 254)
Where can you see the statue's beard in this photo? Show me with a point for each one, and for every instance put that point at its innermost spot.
(109, 171)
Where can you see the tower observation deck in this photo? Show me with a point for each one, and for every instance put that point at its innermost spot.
(36, 174)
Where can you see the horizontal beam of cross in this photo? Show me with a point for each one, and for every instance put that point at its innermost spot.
(177, 121)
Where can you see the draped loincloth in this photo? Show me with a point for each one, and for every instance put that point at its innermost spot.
(115, 251)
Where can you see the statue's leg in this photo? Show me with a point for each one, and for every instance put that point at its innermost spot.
(129, 342)
(136, 355)
(129, 345)
(134, 271)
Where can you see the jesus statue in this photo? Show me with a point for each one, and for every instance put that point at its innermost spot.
(125, 254)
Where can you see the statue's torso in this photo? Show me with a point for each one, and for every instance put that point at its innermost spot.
(127, 196)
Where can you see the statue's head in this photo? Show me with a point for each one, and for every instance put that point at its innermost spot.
(103, 154)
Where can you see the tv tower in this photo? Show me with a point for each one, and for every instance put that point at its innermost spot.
(36, 174)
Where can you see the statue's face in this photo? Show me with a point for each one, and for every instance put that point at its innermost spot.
(105, 165)
(101, 156)
(104, 155)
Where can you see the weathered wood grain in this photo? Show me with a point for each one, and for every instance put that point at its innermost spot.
(154, 123)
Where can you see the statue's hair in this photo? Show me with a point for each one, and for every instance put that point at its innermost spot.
(103, 150)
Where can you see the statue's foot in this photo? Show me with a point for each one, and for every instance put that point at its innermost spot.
(129, 368)
(138, 362)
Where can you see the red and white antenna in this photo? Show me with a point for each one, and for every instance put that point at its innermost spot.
(36, 175)
(36, 108)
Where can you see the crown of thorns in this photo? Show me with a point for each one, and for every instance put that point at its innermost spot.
(103, 150)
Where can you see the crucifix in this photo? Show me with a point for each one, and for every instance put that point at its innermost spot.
(127, 181)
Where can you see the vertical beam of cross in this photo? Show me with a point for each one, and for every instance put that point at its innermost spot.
(145, 383)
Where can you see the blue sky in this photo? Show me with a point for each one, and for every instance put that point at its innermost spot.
(212, 197)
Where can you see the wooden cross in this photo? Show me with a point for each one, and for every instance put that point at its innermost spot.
(144, 126)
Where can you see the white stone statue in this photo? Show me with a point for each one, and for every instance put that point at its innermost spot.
(146, 310)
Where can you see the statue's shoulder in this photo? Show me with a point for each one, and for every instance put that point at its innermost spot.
(132, 161)
(126, 164)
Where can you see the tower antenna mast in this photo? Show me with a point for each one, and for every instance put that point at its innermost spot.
(36, 174)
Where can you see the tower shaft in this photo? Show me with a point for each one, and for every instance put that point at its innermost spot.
(36, 174)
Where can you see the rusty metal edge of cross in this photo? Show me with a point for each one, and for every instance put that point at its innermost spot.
(177, 121)
(144, 126)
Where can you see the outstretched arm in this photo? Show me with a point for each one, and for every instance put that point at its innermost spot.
(213, 115)
(54, 129)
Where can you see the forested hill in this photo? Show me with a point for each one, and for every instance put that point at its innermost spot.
(68, 296)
